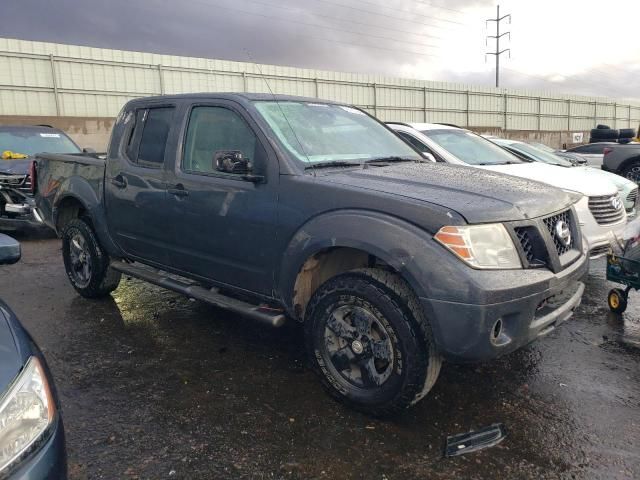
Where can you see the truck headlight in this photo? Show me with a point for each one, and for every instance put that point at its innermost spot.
(481, 246)
(26, 411)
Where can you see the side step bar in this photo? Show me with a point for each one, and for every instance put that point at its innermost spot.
(263, 315)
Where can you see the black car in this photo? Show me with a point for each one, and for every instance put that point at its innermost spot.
(18, 146)
(31, 433)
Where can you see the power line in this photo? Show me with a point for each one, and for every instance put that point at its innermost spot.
(369, 12)
(440, 7)
(315, 25)
(377, 5)
(354, 22)
(394, 50)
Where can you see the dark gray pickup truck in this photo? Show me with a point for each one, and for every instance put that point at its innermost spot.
(284, 207)
(623, 160)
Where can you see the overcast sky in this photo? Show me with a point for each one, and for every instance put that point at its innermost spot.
(572, 46)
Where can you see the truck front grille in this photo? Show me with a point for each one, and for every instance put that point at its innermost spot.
(527, 243)
(21, 183)
(607, 210)
(552, 224)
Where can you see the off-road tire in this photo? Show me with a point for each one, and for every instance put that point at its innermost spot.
(102, 279)
(393, 302)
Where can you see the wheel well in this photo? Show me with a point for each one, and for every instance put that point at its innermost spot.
(324, 265)
(628, 162)
(68, 209)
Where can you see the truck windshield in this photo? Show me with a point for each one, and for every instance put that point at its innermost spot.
(317, 133)
(30, 142)
(539, 155)
(470, 148)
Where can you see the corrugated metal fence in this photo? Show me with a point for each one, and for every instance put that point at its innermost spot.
(47, 79)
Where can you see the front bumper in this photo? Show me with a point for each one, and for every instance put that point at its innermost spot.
(48, 461)
(596, 236)
(533, 303)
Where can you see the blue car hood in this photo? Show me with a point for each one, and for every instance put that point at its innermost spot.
(13, 348)
(15, 167)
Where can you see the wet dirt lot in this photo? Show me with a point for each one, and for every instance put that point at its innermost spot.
(156, 386)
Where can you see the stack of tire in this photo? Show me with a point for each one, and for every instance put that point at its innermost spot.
(604, 133)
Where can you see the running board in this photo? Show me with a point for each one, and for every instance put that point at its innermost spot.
(157, 277)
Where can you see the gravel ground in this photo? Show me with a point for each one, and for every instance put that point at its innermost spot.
(156, 386)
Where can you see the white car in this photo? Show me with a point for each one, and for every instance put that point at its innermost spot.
(600, 211)
(627, 189)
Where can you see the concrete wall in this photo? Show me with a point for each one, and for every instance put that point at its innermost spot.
(40, 79)
(557, 139)
(86, 132)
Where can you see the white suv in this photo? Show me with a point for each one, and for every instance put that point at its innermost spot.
(600, 211)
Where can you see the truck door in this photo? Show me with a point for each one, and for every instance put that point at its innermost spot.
(135, 185)
(225, 224)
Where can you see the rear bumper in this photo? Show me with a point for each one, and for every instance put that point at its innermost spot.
(469, 332)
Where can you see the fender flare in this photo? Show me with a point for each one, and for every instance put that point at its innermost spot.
(80, 190)
(400, 244)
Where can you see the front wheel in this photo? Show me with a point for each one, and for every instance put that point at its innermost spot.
(370, 342)
(86, 263)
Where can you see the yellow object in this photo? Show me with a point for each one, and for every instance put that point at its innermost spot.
(9, 155)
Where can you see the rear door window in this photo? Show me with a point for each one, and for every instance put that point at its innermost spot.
(148, 141)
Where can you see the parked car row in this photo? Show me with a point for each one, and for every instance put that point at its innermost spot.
(397, 247)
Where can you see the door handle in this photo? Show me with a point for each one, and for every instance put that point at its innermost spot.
(178, 190)
(119, 181)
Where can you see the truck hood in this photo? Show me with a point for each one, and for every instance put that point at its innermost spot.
(10, 358)
(15, 167)
(480, 196)
(566, 178)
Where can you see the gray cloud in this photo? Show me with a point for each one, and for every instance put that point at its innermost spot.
(284, 32)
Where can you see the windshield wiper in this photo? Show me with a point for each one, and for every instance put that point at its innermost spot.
(501, 163)
(332, 163)
(390, 159)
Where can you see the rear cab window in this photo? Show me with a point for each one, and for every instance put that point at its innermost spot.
(148, 136)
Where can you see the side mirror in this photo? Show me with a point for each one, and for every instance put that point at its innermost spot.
(9, 250)
(89, 150)
(231, 161)
(429, 156)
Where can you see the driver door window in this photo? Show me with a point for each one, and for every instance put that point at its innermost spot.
(211, 130)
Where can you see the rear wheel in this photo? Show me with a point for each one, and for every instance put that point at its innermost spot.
(617, 300)
(370, 343)
(86, 263)
(632, 171)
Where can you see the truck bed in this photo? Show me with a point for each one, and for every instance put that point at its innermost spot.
(58, 174)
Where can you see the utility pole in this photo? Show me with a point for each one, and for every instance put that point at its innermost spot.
(497, 37)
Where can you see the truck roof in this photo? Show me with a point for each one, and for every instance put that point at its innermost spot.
(240, 97)
(29, 128)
